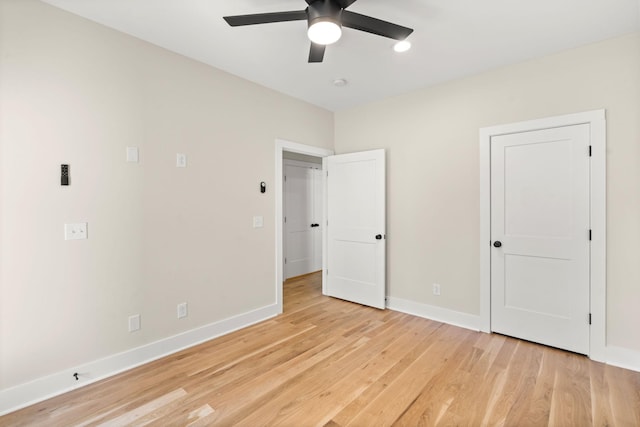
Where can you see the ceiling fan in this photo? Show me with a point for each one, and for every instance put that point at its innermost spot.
(325, 19)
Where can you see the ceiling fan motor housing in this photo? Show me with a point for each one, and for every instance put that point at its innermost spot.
(324, 10)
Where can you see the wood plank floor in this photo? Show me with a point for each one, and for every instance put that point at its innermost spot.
(327, 362)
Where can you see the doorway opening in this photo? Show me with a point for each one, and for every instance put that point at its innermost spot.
(303, 213)
(290, 151)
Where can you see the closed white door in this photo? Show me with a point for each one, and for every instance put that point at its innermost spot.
(540, 236)
(356, 227)
(303, 213)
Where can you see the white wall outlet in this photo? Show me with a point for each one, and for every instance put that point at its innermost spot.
(181, 160)
(134, 323)
(182, 310)
(132, 155)
(258, 222)
(436, 289)
(75, 231)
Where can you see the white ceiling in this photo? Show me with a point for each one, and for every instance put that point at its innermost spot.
(452, 39)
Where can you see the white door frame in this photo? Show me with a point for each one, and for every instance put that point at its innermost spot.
(598, 290)
(293, 147)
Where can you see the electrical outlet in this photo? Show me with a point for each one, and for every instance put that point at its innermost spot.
(182, 310)
(436, 289)
(75, 231)
(134, 323)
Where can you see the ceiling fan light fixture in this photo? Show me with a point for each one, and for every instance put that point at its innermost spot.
(324, 31)
(402, 46)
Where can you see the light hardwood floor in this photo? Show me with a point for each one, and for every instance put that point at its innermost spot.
(328, 362)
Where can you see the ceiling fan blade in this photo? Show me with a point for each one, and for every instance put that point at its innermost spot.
(266, 18)
(374, 26)
(316, 53)
(345, 3)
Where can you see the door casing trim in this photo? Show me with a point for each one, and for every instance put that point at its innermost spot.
(597, 124)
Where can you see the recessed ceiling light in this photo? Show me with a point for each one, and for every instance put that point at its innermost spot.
(340, 82)
(402, 46)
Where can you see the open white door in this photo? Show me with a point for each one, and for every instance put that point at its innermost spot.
(356, 246)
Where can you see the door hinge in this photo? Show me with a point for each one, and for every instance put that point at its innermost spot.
(590, 234)
(285, 260)
(285, 178)
(590, 151)
(589, 318)
(285, 219)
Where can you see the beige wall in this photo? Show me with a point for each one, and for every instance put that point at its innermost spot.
(431, 137)
(74, 92)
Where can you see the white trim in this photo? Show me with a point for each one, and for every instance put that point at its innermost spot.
(623, 358)
(294, 147)
(439, 314)
(596, 120)
(300, 163)
(325, 223)
(485, 231)
(598, 336)
(23, 395)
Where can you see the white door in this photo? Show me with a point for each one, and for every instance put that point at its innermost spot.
(355, 268)
(303, 213)
(318, 213)
(540, 236)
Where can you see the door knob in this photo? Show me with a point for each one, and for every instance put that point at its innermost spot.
(497, 243)
(315, 225)
(378, 236)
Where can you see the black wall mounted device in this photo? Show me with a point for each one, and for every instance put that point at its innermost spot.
(64, 174)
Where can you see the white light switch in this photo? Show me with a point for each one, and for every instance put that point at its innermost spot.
(132, 154)
(181, 160)
(75, 231)
(258, 222)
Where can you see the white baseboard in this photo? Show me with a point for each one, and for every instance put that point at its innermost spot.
(439, 314)
(611, 355)
(623, 358)
(52, 385)
(23, 395)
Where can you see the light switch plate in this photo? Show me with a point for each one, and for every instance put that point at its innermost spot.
(132, 155)
(181, 160)
(77, 231)
(258, 222)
